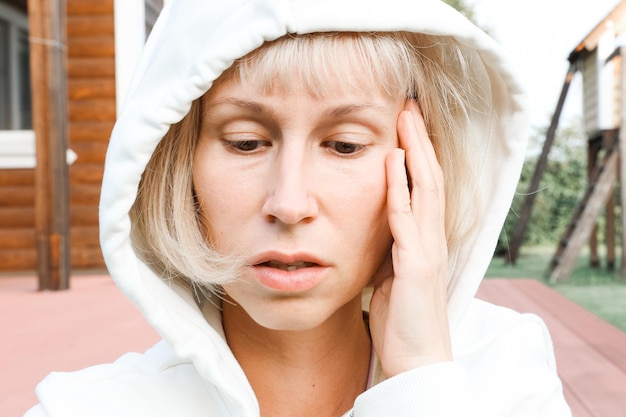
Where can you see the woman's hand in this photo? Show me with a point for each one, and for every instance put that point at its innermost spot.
(408, 311)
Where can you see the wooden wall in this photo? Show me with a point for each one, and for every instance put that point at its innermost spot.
(17, 220)
(91, 85)
(617, 88)
(91, 108)
(590, 94)
(17, 213)
(91, 113)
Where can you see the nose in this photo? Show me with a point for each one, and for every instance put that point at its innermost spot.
(290, 197)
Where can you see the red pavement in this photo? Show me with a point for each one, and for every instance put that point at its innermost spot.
(41, 332)
(94, 323)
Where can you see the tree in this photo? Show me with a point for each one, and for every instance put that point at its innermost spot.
(463, 7)
(562, 186)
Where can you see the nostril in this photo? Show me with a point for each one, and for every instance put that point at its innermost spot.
(271, 219)
(290, 209)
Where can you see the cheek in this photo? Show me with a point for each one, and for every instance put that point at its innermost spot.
(364, 206)
(218, 200)
(366, 189)
(222, 212)
(229, 206)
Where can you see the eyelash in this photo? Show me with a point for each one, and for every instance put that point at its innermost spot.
(338, 147)
(246, 146)
(355, 148)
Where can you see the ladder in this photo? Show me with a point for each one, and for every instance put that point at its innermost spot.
(517, 237)
(600, 186)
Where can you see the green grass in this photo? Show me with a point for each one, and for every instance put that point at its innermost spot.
(598, 290)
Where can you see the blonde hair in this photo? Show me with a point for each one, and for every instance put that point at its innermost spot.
(167, 231)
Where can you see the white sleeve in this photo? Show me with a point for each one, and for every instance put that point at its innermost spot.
(531, 373)
(512, 374)
(36, 411)
(434, 390)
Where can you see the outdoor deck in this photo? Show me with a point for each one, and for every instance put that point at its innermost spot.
(93, 323)
(590, 353)
(68, 330)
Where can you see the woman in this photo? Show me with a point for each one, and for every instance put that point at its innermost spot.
(275, 160)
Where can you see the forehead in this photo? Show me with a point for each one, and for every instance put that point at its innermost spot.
(323, 64)
(241, 97)
(329, 89)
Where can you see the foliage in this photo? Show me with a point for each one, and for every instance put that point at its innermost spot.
(463, 7)
(561, 187)
(605, 301)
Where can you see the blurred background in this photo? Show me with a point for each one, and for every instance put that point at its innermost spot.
(64, 69)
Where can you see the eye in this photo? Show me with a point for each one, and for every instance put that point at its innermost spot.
(246, 146)
(343, 148)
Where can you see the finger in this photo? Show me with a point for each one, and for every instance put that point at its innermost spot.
(427, 195)
(421, 158)
(401, 218)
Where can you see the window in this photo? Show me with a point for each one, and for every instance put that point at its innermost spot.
(15, 97)
(17, 141)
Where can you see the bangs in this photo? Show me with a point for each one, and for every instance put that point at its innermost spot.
(324, 63)
(449, 80)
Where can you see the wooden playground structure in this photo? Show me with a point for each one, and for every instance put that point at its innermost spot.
(600, 57)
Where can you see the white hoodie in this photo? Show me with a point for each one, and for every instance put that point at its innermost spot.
(503, 361)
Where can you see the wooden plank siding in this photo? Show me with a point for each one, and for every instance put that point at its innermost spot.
(17, 220)
(91, 112)
(91, 90)
(617, 91)
(590, 94)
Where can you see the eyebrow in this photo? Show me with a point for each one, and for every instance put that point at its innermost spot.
(334, 112)
(348, 109)
(251, 106)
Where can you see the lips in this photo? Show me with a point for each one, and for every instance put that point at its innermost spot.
(288, 272)
(286, 261)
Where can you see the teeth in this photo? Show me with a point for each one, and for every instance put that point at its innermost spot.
(293, 266)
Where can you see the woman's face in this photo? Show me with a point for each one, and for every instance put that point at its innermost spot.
(297, 184)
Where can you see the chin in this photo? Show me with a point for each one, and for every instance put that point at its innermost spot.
(293, 312)
(289, 319)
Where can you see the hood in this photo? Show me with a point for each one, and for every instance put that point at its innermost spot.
(192, 43)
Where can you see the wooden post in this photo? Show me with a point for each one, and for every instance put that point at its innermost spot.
(520, 227)
(608, 141)
(593, 150)
(610, 233)
(49, 100)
